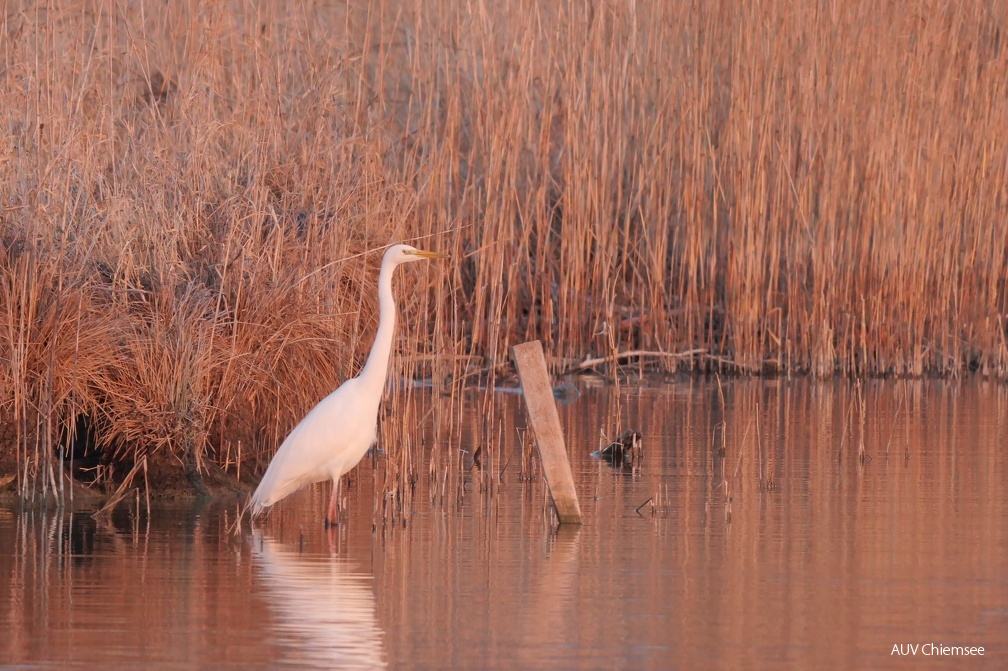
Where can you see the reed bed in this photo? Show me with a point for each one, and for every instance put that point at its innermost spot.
(194, 197)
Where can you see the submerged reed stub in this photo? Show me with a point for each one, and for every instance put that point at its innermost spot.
(538, 395)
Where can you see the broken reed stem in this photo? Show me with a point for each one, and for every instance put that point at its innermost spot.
(590, 363)
(123, 489)
(892, 429)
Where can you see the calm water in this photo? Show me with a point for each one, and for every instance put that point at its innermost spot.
(766, 544)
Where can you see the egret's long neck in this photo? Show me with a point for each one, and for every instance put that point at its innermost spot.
(376, 368)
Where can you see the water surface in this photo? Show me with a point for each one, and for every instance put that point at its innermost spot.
(750, 536)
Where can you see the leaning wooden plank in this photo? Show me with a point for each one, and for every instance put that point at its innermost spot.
(539, 402)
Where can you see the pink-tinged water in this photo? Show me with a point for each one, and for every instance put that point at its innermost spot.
(772, 547)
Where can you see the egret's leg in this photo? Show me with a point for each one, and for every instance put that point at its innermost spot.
(332, 517)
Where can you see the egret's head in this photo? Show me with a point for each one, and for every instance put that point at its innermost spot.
(405, 254)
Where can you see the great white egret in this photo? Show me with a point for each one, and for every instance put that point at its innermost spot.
(336, 434)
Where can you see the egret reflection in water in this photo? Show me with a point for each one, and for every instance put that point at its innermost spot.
(324, 610)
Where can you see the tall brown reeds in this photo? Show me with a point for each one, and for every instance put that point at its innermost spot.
(193, 197)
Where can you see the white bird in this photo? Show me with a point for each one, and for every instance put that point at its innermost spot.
(336, 434)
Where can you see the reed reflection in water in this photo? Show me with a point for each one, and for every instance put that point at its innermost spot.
(128, 592)
(769, 544)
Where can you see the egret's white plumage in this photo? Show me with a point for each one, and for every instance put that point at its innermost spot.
(338, 431)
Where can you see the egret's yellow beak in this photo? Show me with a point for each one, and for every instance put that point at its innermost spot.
(427, 255)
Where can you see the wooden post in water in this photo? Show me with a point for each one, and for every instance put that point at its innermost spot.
(538, 393)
